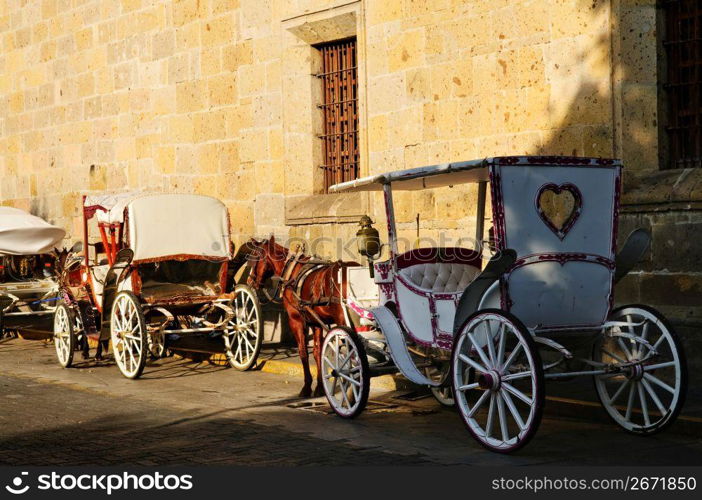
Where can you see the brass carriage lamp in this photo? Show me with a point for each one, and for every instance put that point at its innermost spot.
(368, 240)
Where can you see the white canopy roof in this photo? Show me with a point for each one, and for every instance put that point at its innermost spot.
(110, 207)
(26, 234)
(167, 225)
(445, 174)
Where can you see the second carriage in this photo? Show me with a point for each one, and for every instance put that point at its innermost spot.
(161, 269)
(29, 261)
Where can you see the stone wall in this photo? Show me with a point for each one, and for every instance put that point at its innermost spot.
(218, 97)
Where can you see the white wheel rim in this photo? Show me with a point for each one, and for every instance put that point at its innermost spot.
(644, 400)
(511, 402)
(243, 330)
(342, 372)
(127, 332)
(62, 335)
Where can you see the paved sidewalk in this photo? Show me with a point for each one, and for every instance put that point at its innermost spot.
(183, 412)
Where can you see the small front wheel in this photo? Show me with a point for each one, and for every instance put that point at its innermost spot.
(128, 334)
(498, 380)
(157, 344)
(345, 372)
(244, 332)
(64, 334)
(442, 393)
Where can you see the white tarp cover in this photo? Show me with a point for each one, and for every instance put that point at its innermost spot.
(165, 225)
(111, 205)
(26, 234)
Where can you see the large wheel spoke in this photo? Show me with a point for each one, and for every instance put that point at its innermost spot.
(325, 360)
(654, 397)
(344, 391)
(644, 404)
(659, 382)
(513, 355)
(513, 410)
(613, 356)
(491, 411)
(501, 346)
(630, 402)
(349, 379)
(658, 366)
(619, 392)
(516, 392)
(468, 387)
(483, 397)
(472, 363)
(502, 416)
(516, 376)
(624, 348)
(489, 342)
(479, 350)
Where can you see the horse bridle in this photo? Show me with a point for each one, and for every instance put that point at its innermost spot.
(281, 281)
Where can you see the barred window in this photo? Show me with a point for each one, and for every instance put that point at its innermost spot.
(340, 112)
(683, 46)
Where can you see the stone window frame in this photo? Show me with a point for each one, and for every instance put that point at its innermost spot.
(305, 200)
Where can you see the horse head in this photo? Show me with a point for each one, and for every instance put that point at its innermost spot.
(266, 258)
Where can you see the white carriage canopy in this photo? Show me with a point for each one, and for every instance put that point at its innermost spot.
(22, 233)
(162, 226)
(445, 174)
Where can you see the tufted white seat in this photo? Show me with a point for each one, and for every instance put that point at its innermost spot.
(440, 277)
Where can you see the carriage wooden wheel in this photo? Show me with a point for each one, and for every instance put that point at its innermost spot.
(647, 394)
(128, 334)
(345, 372)
(244, 333)
(498, 380)
(64, 334)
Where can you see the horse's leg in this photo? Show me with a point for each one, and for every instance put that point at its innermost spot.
(298, 328)
(317, 332)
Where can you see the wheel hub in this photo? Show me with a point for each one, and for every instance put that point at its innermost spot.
(489, 380)
(636, 372)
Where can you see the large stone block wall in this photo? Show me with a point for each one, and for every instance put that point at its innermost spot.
(217, 97)
(191, 95)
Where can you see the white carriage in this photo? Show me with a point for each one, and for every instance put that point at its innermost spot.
(161, 269)
(28, 262)
(493, 333)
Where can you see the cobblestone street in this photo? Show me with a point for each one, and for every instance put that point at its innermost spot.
(187, 413)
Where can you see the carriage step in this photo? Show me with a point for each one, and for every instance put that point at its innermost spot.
(398, 346)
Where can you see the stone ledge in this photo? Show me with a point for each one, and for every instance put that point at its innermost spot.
(325, 208)
(662, 190)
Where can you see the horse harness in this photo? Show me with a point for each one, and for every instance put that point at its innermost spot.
(297, 283)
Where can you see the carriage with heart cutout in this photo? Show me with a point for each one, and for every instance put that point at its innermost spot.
(161, 269)
(490, 326)
(29, 261)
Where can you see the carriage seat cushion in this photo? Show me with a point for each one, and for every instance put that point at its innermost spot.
(441, 277)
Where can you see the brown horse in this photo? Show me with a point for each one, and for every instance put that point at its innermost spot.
(310, 292)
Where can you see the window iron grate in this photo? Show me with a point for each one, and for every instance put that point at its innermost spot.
(340, 112)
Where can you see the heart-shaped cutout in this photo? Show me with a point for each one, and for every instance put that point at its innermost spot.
(559, 207)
